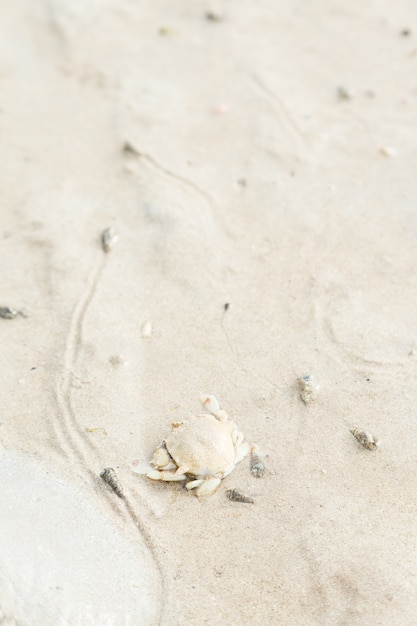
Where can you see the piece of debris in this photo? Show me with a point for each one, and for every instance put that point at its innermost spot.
(93, 430)
(221, 109)
(117, 359)
(108, 239)
(212, 16)
(110, 477)
(308, 388)
(237, 496)
(406, 32)
(147, 328)
(129, 148)
(8, 313)
(257, 465)
(388, 151)
(226, 306)
(164, 31)
(343, 94)
(366, 440)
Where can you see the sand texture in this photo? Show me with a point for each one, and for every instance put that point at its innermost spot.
(257, 161)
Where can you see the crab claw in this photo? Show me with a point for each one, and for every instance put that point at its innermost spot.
(210, 403)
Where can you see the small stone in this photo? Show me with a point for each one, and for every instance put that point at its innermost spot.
(108, 239)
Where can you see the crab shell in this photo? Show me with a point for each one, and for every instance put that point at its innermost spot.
(206, 446)
(202, 449)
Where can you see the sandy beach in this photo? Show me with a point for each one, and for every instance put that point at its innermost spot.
(257, 161)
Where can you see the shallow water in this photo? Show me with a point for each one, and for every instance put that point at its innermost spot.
(61, 561)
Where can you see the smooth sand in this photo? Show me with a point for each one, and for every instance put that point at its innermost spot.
(61, 561)
(248, 181)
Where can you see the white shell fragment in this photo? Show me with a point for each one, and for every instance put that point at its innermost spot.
(199, 451)
(109, 238)
(147, 328)
(366, 440)
(308, 388)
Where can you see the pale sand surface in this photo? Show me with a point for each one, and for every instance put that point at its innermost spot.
(314, 249)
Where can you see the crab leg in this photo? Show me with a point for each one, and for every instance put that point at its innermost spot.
(192, 484)
(237, 438)
(204, 487)
(166, 475)
(242, 451)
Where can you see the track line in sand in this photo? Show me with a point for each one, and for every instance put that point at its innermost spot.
(71, 438)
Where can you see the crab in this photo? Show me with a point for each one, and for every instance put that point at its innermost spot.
(201, 450)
